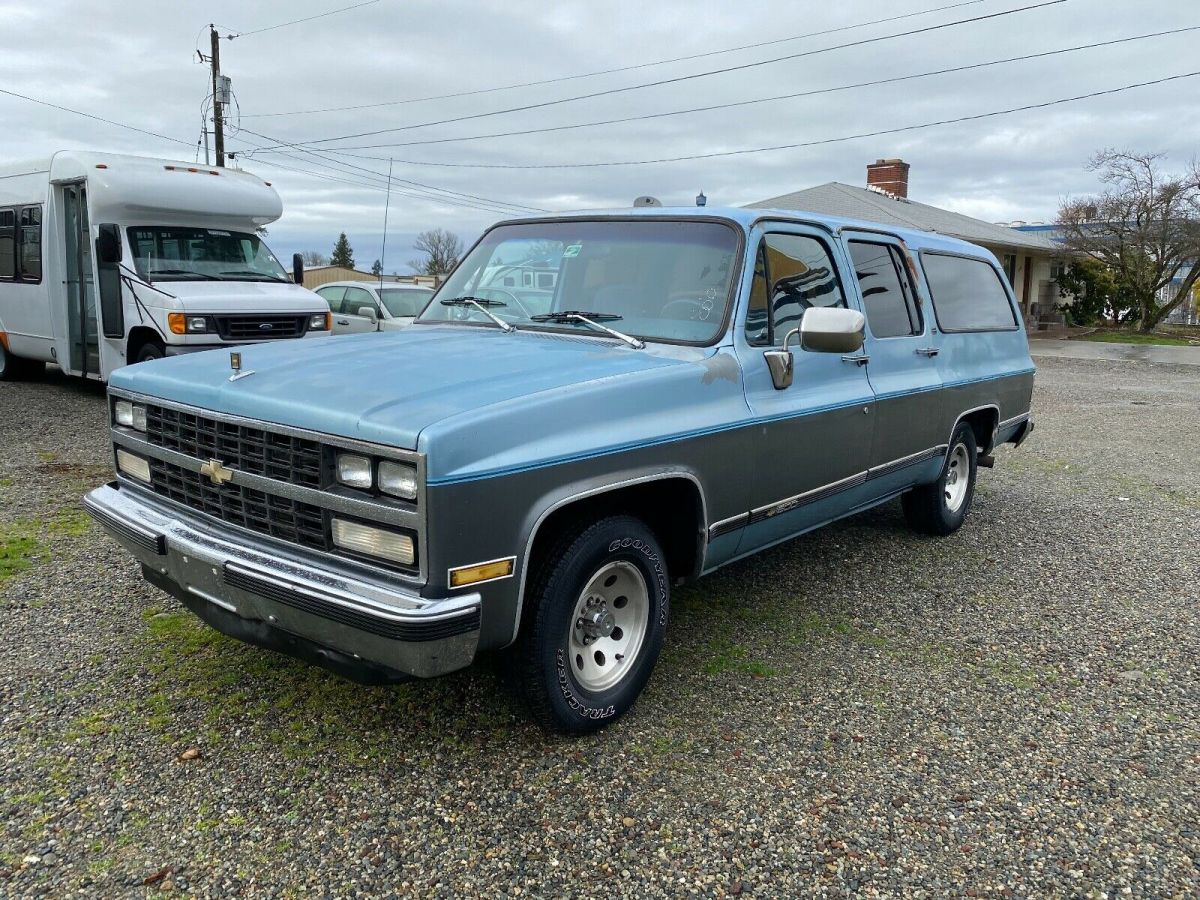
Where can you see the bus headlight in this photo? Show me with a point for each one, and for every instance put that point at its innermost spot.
(320, 322)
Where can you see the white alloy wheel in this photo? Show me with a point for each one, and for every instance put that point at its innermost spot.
(609, 626)
(957, 477)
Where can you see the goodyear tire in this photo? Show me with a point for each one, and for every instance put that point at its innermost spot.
(590, 641)
(941, 508)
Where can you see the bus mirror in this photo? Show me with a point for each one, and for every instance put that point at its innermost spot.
(297, 268)
(108, 245)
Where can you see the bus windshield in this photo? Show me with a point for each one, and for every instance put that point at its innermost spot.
(174, 253)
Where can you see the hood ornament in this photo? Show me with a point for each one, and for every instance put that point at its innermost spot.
(235, 363)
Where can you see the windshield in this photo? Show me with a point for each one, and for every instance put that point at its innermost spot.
(171, 253)
(656, 279)
(405, 302)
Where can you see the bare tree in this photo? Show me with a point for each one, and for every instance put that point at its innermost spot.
(313, 258)
(1144, 225)
(441, 251)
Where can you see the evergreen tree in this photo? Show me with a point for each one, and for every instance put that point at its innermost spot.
(377, 268)
(343, 254)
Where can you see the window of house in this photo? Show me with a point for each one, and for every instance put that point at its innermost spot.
(793, 273)
(8, 243)
(886, 291)
(1010, 268)
(967, 294)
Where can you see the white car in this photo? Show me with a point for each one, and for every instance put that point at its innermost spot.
(360, 306)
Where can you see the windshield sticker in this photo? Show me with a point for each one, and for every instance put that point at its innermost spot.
(572, 250)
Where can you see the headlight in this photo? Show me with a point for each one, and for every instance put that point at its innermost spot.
(131, 415)
(320, 322)
(355, 471)
(197, 324)
(398, 479)
(377, 542)
(134, 466)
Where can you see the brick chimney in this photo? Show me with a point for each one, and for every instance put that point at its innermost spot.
(889, 175)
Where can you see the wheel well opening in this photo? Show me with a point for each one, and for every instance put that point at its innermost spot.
(139, 337)
(670, 507)
(983, 422)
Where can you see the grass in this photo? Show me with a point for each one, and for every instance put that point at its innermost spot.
(1136, 337)
(19, 546)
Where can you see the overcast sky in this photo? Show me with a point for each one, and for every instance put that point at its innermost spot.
(135, 63)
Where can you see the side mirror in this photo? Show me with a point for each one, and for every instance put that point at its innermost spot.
(108, 245)
(367, 313)
(781, 364)
(297, 268)
(832, 329)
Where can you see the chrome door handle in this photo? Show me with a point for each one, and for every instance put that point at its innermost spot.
(928, 351)
(857, 360)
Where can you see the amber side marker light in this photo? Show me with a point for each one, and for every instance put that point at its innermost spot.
(488, 571)
(177, 322)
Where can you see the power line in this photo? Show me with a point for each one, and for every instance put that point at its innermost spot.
(756, 100)
(802, 144)
(680, 78)
(94, 118)
(323, 161)
(341, 176)
(630, 68)
(331, 12)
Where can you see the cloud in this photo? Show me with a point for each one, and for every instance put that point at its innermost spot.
(137, 64)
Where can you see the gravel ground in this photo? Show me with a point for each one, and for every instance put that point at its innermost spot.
(1010, 711)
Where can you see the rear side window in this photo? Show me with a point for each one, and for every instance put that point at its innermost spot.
(968, 294)
(887, 294)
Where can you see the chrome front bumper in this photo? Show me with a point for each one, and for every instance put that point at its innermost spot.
(290, 602)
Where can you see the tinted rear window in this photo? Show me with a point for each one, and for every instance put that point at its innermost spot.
(967, 294)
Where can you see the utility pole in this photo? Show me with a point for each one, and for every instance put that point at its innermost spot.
(218, 129)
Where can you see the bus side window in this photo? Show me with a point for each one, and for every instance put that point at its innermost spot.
(31, 243)
(8, 243)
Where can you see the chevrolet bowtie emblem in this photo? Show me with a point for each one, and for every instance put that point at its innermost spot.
(217, 473)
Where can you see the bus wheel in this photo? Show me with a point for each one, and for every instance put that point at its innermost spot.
(151, 350)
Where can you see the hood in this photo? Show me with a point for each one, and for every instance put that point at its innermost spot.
(388, 387)
(243, 296)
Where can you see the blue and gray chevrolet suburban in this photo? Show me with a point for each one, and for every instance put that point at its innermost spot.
(592, 409)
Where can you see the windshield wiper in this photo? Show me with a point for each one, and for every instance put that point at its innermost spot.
(481, 304)
(203, 275)
(591, 318)
(266, 275)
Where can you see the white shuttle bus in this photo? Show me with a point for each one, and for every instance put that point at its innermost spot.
(107, 260)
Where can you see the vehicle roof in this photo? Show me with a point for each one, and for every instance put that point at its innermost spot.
(747, 218)
(387, 285)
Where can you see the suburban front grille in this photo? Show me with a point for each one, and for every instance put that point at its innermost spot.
(260, 328)
(278, 517)
(242, 447)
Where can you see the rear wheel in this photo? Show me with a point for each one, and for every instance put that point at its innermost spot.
(13, 368)
(941, 508)
(589, 644)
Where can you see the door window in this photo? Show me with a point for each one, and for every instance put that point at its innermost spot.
(792, 273)
(356, 299)
(333, 296)
(886, 291)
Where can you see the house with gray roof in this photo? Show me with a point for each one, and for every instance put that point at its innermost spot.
(1031, 260)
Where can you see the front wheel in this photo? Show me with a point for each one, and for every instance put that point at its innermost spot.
(13, 368)
(941, 508)
(589, 644)
(150, 351)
